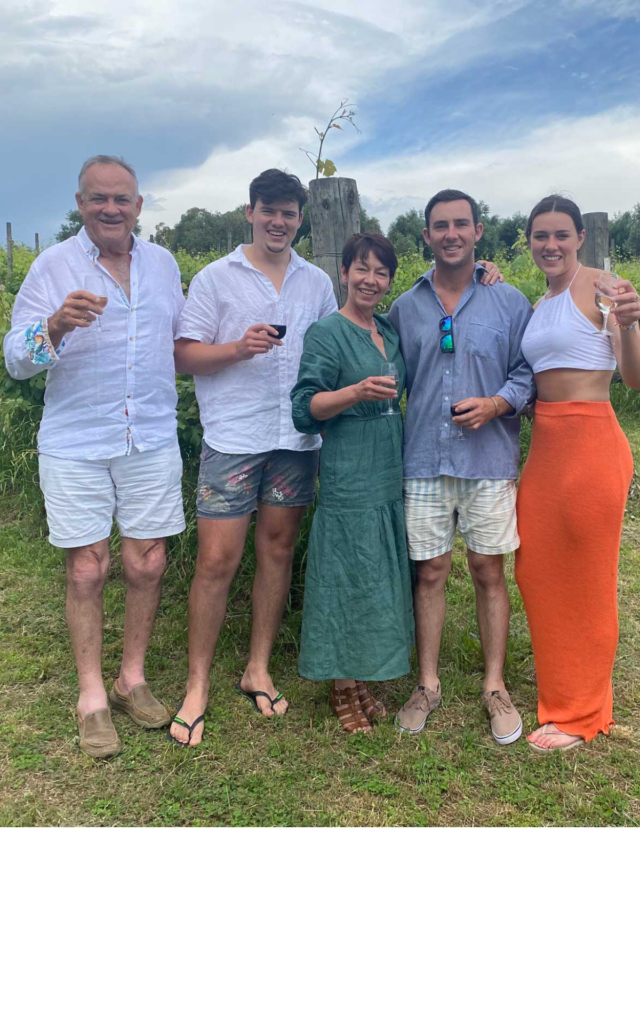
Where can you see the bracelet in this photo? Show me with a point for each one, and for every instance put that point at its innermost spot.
(628, 327)
(496, 405)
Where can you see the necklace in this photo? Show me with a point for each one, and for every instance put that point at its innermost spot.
(548, 291)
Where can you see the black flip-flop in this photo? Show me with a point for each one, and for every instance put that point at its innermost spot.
(181, 721)
(253, 694)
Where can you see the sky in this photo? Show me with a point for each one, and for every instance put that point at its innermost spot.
(507, 102)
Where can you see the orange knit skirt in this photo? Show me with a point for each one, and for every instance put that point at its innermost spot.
(571, 502)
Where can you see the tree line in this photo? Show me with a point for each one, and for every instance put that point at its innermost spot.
(199, 231)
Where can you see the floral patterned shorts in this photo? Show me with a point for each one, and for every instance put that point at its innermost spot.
(230, 486)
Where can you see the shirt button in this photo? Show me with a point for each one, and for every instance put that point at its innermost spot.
(131, 339)
(447, 372)
(129, 395)
(129, 367)
(446, 397)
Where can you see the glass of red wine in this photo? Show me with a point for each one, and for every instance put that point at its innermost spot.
(282, 330)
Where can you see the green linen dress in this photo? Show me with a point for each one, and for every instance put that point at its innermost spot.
(358, 611)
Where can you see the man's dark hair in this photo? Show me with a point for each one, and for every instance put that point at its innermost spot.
(358, 247)
(449, 195)
(555, 204)
(274, 186)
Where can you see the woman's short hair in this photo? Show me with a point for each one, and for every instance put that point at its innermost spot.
(358, 247)
(555, 204)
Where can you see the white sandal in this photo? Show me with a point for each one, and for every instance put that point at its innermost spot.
(550, 750)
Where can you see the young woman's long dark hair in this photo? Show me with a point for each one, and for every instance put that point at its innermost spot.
(555, 204)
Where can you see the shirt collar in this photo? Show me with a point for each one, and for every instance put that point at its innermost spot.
(429, 275)
(91, 249)
(238, 256)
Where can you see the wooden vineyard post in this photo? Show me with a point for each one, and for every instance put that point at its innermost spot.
(595, 249)
(248, 233)
(334, 212)
(37, 243)
(9, 250)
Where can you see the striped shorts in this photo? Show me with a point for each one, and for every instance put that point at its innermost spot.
(483, 510)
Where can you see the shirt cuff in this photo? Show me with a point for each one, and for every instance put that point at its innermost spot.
(38, 344)
(515, 400)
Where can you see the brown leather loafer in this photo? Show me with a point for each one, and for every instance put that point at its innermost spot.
(140, 705)
(98, 736)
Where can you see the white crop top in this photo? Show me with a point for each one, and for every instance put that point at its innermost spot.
(559, 335)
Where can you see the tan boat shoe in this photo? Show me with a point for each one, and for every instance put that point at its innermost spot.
(506, 724)
(413, 716)
(98, 736)
(140, 705)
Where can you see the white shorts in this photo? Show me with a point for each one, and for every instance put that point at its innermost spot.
(143, 490)
(483, 510)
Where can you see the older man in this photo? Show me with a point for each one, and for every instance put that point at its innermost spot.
(99, 313)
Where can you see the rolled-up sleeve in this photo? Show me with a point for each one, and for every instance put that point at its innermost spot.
(319, 371)
(177, 299)
(518, 387)
(199, 315)
(27, 347)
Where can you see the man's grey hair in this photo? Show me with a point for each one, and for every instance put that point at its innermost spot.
(102, 159)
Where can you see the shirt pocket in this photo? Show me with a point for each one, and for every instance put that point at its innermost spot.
(485, 340)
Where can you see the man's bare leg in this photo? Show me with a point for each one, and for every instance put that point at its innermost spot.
(276, 533)
(87, 569)
(429, 608)
(220, 547)
(492, 609)
(144, 563)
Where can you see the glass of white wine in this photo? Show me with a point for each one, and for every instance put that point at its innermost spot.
(390, 370)
(97, 285)
(606, 292)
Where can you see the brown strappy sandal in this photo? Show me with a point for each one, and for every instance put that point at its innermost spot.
(372, 707)
(348, 711)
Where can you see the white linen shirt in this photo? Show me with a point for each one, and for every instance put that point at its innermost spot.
(107, 390)
(246, 408)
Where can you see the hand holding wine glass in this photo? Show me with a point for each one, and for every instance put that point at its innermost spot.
(390, 370)
(606, 295)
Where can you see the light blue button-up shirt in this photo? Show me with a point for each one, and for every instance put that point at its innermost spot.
(488, 324)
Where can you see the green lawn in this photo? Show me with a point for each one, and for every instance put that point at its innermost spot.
(300, 770)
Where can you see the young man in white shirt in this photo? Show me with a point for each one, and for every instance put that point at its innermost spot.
(253, 459)
(99, 312)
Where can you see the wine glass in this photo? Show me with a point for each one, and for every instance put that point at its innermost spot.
(390, 370)
(282, 330)
(97, 285)
(606, 291)
(460, 435)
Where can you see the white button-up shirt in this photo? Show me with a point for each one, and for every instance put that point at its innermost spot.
(109, 387)
(246, 408)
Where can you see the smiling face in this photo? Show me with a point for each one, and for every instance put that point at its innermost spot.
(555, 243)
(275, 225)
(110, 205)
(452, 234)
(367, 281)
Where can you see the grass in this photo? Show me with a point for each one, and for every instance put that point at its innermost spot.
(300, 770)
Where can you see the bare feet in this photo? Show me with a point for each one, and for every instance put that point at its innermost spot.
(257, 679)
(549, 737)
(194, 705)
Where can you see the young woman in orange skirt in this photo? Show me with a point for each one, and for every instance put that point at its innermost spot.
(574, 485)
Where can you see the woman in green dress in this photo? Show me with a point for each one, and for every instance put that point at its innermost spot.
(357, 622)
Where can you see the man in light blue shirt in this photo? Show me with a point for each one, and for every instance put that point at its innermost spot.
(467, 385)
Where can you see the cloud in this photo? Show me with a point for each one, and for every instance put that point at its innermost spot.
(202, 97)
(594, 159)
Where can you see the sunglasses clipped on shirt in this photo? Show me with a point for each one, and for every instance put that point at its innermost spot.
(446, 335)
